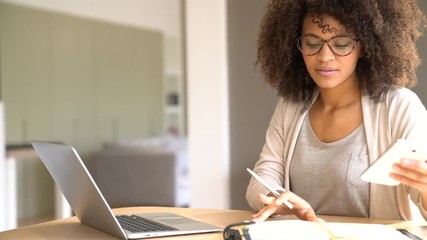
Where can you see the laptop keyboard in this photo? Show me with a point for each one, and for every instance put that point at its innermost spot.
(135, 223)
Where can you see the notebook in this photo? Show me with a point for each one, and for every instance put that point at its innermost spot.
(299, 229)
(91, 208)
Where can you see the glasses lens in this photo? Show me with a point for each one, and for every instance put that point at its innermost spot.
(310, 45)
(342, 46)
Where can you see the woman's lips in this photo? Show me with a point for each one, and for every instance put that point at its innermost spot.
(326, 71)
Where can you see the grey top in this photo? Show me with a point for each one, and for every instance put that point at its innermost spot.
(397, 114)
(327, 175)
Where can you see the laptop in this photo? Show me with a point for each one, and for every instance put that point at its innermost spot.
(72, 177)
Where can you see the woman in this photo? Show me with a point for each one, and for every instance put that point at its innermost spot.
(342, 68)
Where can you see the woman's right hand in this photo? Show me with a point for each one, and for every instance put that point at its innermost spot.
(273, 205)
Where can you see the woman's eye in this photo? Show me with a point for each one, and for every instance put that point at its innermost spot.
(313, 45)
(341, 45)
(341, 42)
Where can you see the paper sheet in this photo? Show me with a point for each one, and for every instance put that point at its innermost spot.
(298, 229)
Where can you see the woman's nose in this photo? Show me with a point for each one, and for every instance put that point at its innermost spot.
(325, 54)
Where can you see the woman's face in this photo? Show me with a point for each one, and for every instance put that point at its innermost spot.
(326, 68)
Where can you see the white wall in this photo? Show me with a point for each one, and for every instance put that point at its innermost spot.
(160, 15)
(421, 88)
(207, 86)
(3, 178)
(165, 16)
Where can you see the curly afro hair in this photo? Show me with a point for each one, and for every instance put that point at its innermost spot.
(386, 29)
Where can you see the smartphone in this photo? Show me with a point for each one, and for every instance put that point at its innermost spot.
(379, 171)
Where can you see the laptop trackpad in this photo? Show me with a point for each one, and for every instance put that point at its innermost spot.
(176, 221)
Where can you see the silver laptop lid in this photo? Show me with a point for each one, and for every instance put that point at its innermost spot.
(78, 187)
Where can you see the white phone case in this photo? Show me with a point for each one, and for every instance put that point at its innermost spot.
(379, 171)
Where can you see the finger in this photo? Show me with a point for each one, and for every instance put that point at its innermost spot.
(421, 185)
(267, 200)
(264, 213)
(310, 215)
(298, 202)
(285, 196)
(272, 203)
(306, 214)
(416, 174)
(300, 213)
(420, 166)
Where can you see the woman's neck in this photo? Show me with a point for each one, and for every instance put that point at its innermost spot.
(339, 97)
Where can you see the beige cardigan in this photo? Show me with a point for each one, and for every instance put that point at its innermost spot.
(399, 114)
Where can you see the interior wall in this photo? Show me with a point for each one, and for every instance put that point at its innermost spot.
(79, 81)
(165, 16)
(251, 100)
(160, 15)
(208, 125)
(4, 223)
(421, 88)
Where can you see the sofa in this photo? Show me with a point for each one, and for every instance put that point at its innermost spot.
(142, 172)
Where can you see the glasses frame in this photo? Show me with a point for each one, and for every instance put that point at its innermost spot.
(355, 41)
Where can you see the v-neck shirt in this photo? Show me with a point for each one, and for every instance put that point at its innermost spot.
(327, 175)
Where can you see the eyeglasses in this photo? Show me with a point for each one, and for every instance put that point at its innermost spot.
(341, 45)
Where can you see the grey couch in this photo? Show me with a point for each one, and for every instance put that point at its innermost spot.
(142, 172)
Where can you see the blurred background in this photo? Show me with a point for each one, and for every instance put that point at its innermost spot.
(162, 92)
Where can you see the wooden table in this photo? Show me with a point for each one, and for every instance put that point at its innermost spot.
(71, 228)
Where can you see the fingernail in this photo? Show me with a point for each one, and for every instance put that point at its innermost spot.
(405, 162)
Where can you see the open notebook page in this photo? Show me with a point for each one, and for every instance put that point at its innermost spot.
(298, 229)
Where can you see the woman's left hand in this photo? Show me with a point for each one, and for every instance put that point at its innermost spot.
(412, 173)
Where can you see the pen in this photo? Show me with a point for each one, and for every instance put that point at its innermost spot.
(323, 225)
(270, 188)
